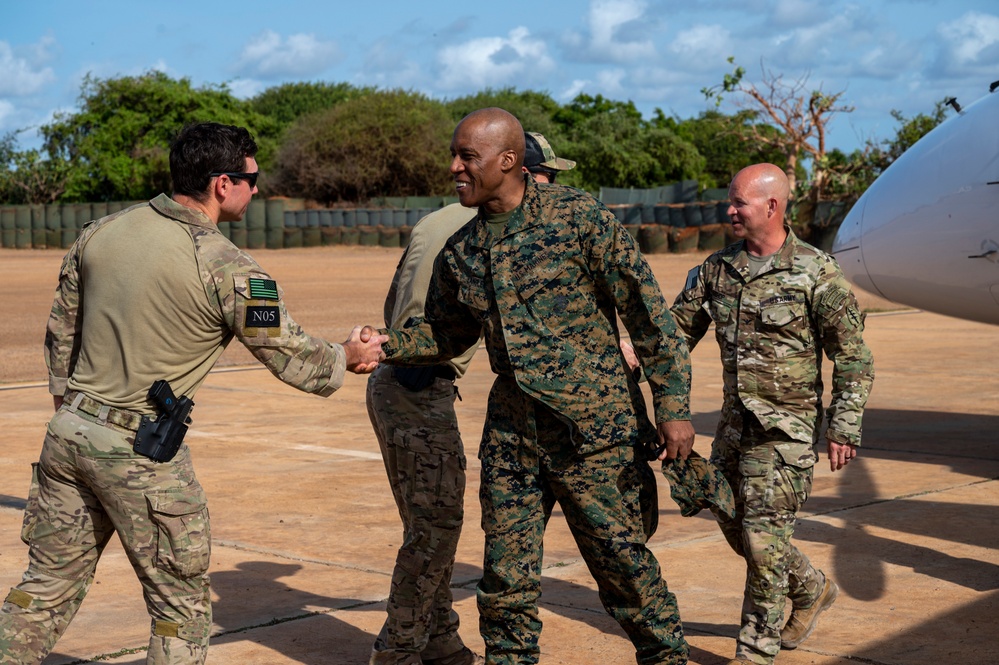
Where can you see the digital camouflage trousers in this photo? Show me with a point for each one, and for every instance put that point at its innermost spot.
(529, 465)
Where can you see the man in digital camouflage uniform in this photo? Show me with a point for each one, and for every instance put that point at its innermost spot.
(412, 412)
(777, 304)
(152, 292)
(543, 272)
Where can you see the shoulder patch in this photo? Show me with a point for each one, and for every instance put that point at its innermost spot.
(692, 276)
(262, 316)
(265, 289)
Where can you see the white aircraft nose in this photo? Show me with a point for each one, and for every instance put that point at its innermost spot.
(847, 248)
(920, 234)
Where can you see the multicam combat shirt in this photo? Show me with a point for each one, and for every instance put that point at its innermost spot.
(157, 292)
(547, 289)
(773, 329)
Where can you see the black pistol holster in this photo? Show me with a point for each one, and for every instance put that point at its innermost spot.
(160, 439)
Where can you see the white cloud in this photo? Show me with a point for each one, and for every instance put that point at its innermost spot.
(6, 112)
(618, 31)
(702, 47)
(797, 12)
(246, 88)
(269, 56)
(23, 68)
(576, 87)
(387, 64)
(821, 44)
(517, 59)
(886, 60)
(611, 82)
(969, 37)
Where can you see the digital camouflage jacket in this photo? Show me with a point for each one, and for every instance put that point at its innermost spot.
(547, 290)
(773, 330)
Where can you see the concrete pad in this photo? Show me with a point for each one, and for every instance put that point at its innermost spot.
(305, 528)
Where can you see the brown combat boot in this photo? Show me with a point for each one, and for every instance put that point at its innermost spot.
(803, 619)
(463, 657)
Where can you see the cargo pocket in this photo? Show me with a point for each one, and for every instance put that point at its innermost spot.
(31, 508)
(756, 469)
(182, 532)
(795, 473)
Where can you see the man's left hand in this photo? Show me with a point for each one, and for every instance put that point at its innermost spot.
(840, 454)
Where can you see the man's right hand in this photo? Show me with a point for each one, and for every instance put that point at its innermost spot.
(363, 349)
(676, 437)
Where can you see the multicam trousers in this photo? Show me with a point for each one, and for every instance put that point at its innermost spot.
(88, 485)
(771, 475)
(528, 465)
(424, 456)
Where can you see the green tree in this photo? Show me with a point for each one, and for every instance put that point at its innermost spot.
(584, 107)
(533, 109)
(801, 115)
(727, 142)
(617, 148)
(386, 143)
(26, 177)
(849, 176)
(117, 145)
(288, 102)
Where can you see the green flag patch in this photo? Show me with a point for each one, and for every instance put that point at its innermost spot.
(265, 289)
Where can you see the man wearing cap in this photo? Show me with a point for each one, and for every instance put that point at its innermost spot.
(544, 271)
(540, 160)
(412, 412)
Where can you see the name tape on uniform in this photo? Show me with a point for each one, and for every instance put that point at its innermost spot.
(261, 316)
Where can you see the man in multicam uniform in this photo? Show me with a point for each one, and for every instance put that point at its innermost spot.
(152, 292)
(412, 412)
(777, 304)
(544, 271)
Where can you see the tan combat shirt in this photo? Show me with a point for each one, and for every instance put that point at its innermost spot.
(408, 293)
(157, 292)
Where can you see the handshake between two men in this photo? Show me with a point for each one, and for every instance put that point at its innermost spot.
(363, 349)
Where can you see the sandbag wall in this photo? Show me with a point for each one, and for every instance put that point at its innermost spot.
(676, 227)
(279, 223)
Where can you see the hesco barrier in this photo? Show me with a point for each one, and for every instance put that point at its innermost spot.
(280, 222)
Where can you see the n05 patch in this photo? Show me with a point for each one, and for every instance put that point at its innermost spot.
(262, 316)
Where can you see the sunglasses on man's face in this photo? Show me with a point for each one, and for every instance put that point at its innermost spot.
(251, 178)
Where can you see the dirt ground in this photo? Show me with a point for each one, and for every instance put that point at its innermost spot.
(305, 529)
(327, 289)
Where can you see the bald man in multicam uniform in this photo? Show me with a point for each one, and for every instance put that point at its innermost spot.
(544, 271)
(152, 292)
(777, 305)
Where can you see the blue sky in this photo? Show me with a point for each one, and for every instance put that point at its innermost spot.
(883, 55)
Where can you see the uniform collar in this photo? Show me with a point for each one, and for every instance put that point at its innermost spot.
(738, 256)
(525, 216)
(167, 207)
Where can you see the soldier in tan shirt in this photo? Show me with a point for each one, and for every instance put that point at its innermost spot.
(152, 292)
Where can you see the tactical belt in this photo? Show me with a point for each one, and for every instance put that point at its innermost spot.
(445, 372)
(417, 378)
(74, 401)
